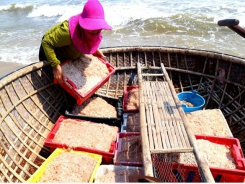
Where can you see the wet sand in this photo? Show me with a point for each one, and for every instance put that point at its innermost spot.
(8, 67)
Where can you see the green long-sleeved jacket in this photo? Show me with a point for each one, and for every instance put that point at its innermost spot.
(57, 44)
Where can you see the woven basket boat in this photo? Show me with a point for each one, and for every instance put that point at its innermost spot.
(30, 102)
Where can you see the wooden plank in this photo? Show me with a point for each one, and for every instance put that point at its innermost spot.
(148, 121)
(165, 118)
(202, 163)
(166, 135)
(176, 142)
(154, 118)
(146, 156)
(162, 125)
(154, 131)
(166, 102)
(175, 122)
(180, 134)
(172, 150)
(164, 114)
(151, 74)
(172, 105)
(183, 133)
(156, 114)
(167, 93)
(182, 130)
(162, 103)
(172, 135)
(180, 138)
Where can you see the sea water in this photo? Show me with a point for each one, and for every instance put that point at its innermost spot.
(176, 23)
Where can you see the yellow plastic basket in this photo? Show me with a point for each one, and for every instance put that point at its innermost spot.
(40, 171)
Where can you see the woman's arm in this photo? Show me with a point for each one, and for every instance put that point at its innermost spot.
(99, 53)
(57, 36)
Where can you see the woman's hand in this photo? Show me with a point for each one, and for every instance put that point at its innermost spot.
(99, 53)
(57, 71)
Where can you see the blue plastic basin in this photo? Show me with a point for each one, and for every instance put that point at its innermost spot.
(192, 97)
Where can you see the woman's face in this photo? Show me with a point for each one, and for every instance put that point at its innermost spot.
(95, 32)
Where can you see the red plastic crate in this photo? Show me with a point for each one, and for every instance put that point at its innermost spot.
(189, 173)
(125, 98)
(119, 142)
(107, 157)
(71, 88)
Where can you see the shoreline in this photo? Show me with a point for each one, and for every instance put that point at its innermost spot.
(9, 67)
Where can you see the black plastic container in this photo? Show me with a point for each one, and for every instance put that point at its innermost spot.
(114, 121)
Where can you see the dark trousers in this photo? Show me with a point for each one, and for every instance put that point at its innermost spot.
(42, 56)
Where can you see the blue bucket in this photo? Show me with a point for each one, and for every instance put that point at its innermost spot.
(192, 97)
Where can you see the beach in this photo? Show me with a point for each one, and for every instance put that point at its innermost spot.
(6, 68)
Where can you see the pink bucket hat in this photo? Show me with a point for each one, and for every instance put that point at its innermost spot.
(93, 17)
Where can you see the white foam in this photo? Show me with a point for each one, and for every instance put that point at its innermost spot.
(23, 55)
(23, 6)
(5, 7)
(47, 11)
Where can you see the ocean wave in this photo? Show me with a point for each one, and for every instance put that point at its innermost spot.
(16, 7)
(19, 55)
(47, 11)
(180, 22)
(120, 14)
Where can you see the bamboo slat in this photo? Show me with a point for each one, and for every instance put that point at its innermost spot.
(146, 156)
(174, 114)
(202, 163)
(155, 115)
(168, 127)
(154, 134)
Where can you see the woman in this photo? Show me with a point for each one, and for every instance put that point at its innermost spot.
(68, 40)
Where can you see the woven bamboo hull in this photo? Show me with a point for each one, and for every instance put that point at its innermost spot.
(30, 103)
